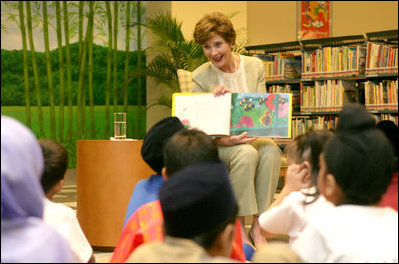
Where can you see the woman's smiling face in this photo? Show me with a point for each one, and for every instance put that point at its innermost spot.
(218, 51)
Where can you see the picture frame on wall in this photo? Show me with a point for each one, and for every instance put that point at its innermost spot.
(314, 19)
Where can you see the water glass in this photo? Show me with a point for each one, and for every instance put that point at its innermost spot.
(120, 125)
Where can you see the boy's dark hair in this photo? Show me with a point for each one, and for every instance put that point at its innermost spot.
(187, 147)
(207, 239)
(360, 157)
(55, 163)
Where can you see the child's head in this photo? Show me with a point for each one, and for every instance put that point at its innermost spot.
(291, 150)
(306, 148)
(155, 140)
(356, 166)
(55, 164)
(186, 147)
(198, 203)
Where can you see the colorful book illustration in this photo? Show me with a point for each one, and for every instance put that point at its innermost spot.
(260, 114)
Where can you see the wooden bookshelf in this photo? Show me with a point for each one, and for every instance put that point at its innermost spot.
(369, 62)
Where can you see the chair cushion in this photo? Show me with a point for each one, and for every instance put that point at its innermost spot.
(185, 81)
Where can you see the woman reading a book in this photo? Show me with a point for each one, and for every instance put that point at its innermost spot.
(254, 163)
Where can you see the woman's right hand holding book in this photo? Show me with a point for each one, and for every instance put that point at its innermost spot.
(231, 140)
(234, 140)
(221, 90)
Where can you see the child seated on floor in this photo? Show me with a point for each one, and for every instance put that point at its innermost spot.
(355, 170)
(147, 190)
(58, 215)
(299, 197)
(25, 237)
(185, 147)
(199, 210)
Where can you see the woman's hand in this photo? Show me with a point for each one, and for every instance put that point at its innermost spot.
(234, 140)
(220, 90)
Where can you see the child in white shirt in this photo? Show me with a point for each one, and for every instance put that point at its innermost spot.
(60, 216)
(299, 197)
(355, 171)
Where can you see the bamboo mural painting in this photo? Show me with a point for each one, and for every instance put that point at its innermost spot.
(116, 9)
(79, 118)
(49, 71)
(42, 134)
(61, 66)
(109, 61)
(73, 74)
(90, 68)
(25, 57)
(68, 69)
(127, 46)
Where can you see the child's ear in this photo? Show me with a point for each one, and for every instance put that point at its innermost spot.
(223, 244)
(333, 192)
(56, 188)
(164, 174)
(59, 185)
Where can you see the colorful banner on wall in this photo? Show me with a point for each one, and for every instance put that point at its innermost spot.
(315, 19)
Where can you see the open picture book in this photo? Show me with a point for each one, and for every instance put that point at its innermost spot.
(260, 114)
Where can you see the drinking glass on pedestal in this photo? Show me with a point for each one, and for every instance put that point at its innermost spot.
(120, 126)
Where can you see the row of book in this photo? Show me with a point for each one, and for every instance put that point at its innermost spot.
(381, 58)
(381, 95)
(302, 124)
(334, 61)
(327, 62)
(288, 88)
(280, 66)
(328, 95)
(393, 118)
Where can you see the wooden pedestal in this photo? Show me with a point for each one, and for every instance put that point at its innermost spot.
(107, 172)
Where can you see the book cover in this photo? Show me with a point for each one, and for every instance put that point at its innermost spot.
(291, 68)
(361, 59)
(260, 114)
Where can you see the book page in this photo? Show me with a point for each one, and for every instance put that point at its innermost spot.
(203, 111)
(261, 114)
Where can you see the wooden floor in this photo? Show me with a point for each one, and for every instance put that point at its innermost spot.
(68, 197)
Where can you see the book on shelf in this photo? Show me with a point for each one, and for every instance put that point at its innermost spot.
(260, 114)
(302, 124)
(334, 61)
(291, 68)
(381, 95)
(381, 58)
(392, 118)
(328, 95)
(287, 88)
(281, 66)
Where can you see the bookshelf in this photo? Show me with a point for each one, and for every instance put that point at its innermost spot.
(333, 71)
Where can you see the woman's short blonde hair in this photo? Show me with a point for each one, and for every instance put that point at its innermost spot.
(212, 24)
